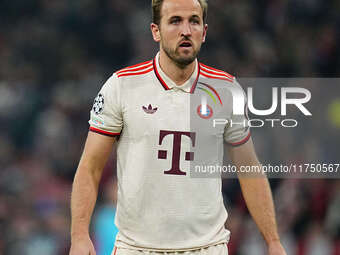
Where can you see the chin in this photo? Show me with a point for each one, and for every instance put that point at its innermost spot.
(187, 54)
(185, 61)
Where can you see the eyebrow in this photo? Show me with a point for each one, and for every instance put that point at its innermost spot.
(175, 17)
(179, 17)
(195, 16)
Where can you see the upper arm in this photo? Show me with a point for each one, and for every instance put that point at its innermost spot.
(243, 155)
(96, 153)
(106, 123)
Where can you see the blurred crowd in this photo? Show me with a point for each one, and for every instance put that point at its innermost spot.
(54, 57)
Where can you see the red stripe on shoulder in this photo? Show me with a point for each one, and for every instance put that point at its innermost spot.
(135, 73)
(215, 73)
(225, 78)
(134, 69)
(102, 132)
(216, 70)
(136, 65)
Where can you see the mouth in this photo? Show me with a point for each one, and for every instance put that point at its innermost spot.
(185, 44)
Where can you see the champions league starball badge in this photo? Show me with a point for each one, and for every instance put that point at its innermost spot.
(98, 104)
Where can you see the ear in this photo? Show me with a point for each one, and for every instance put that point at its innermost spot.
(205, 29)
(155, 32)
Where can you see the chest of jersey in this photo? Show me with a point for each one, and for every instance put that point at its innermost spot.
(172, 126)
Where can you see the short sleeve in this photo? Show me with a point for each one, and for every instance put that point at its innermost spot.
(106, 115)
(237, 131)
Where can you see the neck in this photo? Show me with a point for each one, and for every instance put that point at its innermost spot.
(179, 74)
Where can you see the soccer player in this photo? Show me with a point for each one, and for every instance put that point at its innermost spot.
(149, 111)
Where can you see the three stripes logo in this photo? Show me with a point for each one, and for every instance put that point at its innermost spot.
(204, 110)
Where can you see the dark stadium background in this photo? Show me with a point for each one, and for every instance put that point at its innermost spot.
(54, 57)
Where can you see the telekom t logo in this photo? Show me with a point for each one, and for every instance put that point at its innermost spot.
(176, 150)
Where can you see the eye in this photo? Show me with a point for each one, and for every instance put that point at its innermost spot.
(175, 21)
(195, 21)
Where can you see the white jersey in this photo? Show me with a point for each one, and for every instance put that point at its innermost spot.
(160, 206)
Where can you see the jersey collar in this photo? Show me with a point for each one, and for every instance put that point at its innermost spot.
(189, 86)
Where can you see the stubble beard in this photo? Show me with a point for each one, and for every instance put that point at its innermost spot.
(179, 60)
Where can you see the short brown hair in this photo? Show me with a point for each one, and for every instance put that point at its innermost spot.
(157, 6)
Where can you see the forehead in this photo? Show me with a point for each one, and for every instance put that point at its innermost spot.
(181, 8)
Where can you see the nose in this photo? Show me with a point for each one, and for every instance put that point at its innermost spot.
(186, 29)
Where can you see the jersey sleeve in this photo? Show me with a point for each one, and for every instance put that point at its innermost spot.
(237, 131)
(106, 115)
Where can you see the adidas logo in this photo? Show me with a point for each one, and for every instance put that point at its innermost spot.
(149, 110)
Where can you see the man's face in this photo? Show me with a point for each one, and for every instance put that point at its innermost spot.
(181, 31)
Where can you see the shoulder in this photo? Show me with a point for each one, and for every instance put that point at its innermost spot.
(130, 75)
(213, 73)
(220, 80)
(135, 71)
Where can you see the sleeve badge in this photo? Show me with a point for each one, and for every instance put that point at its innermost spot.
(98, 105)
